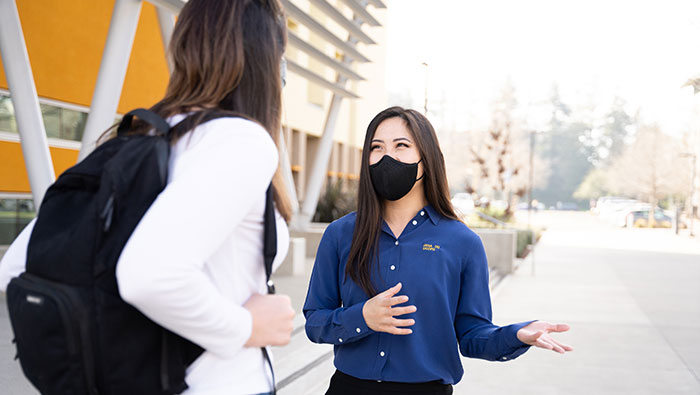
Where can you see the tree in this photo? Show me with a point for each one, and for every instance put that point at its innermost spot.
(561, 146)
(501, 155)
(606, 141)
(650, 169)
(594, 185)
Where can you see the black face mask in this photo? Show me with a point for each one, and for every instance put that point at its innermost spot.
(392, 179)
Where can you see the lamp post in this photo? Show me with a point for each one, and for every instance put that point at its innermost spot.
(531, 186)
(693, 208)
(529, 198)
(538, 118)
(531, 177)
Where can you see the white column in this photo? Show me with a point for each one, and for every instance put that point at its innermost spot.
(320, 165)
(15, 59)
(166, 21)
(110, 79)
(286, 166)
(325, 146)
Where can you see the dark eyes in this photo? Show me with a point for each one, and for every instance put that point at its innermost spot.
(404, 145)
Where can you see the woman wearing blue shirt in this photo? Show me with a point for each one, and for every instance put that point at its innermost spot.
(401, 284)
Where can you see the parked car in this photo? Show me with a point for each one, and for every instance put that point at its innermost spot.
(619, 216)
(463, 203)
(640, 218)
(535, 206)
(610, 209)
(499, 204)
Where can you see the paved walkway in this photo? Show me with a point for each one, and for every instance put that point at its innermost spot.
(632, 297)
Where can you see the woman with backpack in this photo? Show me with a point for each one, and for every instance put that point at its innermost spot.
(400, 285)
(194, 263)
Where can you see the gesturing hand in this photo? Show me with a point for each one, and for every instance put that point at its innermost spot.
(379, 313)
(537, 334)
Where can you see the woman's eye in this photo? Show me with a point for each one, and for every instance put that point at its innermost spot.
(402, 145)
(372, 148)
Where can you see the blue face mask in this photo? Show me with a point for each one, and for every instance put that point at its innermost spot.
(392, 179)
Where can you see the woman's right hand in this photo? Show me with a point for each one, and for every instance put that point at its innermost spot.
(272, 320)
(379, 313)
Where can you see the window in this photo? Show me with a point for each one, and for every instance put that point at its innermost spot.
(7, 115)
(60, 122)
(292, 53)
(15, 214)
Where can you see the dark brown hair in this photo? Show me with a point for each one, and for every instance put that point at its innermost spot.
(365, 238)
(226, 56)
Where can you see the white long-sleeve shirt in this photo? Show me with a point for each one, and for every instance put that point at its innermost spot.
(196, 255)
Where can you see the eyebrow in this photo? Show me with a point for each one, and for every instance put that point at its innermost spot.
(395, 140)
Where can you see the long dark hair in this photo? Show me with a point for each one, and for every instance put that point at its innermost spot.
(365, 238)
(226, 57)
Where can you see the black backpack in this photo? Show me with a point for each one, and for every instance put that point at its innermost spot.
(74, 333)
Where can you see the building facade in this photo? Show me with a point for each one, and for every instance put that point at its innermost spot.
(335, 85)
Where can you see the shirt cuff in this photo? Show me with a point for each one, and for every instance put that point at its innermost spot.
(511, 335)
(354, 321)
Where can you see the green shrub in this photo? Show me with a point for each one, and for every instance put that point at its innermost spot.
(338, 200)
(524, 239)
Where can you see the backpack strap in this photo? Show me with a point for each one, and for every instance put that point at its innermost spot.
(270, 237)
(148, 116)
(269, 252)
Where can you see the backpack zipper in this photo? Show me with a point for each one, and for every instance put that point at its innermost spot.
(107, 212)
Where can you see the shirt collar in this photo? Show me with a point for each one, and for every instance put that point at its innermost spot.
(432, 214)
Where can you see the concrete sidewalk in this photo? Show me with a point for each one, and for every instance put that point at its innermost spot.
(632, 298)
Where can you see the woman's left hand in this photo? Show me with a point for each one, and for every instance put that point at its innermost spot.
(538, 334)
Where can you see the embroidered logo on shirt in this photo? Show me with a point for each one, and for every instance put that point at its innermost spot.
(430, 247)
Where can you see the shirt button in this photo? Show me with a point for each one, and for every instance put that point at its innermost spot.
(422, 213)
(504, 358)
(415, 222)
(392, 267)
(396, 242)
(381, 354)
(358, 330)
(340, 339)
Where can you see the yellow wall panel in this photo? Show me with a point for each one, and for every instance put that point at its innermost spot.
(13, 172)
(65, 40)
(147, 75)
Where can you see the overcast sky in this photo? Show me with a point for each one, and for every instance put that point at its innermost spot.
(642, 51)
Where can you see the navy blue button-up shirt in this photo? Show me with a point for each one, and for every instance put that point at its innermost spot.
(442, 267)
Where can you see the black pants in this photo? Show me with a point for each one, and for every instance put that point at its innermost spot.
(342, 384)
